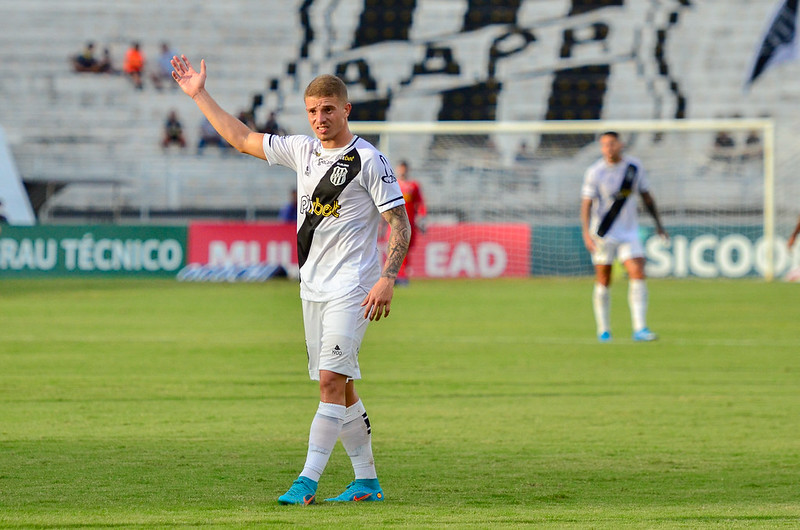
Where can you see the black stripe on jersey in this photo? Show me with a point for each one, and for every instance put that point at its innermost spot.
(326, 193)
(391, 201)
(619, 200)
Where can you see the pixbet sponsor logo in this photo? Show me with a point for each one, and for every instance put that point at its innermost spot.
(316, 207)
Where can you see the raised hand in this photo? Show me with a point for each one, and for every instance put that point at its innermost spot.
(190, 80)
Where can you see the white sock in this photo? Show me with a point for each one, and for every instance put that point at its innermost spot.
(322, 438)
(637, 301)
(601, 301)
(356, 437)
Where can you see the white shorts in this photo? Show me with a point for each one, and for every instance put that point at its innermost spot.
(607, 250)
(334, 331)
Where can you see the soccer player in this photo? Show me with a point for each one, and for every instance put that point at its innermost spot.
(611, 230)
(415, 207)
(344, 187)
(793, 236)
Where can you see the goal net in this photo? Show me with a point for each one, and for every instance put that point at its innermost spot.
(503, 198)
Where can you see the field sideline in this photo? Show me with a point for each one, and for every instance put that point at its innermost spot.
(153, 403)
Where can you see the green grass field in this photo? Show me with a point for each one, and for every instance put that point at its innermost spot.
(152, 403)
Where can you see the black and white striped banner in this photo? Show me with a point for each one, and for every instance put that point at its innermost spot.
(779, 43)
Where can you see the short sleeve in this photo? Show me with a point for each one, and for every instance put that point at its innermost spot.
(283, 150)
(642, 182)
(589, 188)
(381, 184)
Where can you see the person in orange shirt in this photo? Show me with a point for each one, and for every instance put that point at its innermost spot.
(134, 65)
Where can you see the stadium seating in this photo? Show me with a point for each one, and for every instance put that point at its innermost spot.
(87, 128)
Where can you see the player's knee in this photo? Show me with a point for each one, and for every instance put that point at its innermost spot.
(635, 268)
(332, 386)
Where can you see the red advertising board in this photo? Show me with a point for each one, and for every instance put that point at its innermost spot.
(443, 251)
(468, 250)
(242, 244)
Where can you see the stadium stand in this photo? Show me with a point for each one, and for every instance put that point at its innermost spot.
(90, 142)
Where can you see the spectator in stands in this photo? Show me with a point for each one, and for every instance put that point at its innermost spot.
(163, 71)
(524, 170)
(724, 147)
(105, 65)
(523, 155)
(209, 135)
(752, 146)
(173, 131)
(134, 65)
(85, 61)
(288, 212)
(271, 126)
(246, 117)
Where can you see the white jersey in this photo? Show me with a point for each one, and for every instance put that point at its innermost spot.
(601, 184)
(340, 194)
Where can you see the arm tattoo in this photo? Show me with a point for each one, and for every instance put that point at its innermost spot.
(399, 240)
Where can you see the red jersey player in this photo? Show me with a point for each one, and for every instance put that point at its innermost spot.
(415, 206)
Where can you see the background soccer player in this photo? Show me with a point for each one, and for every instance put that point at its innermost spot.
(793, 236)
(415, 207)
(344, 187)
(611, 230)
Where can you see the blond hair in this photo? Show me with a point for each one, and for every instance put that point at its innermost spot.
(326, 85)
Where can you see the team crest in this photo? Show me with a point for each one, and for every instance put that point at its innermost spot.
(338, 175)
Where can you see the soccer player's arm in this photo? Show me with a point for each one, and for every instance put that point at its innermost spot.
(588, 190)
(586, 213)
(399, 239)
(650, 205)
(236, 133)
(379, 299)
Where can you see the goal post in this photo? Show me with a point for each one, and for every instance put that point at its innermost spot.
(713, 181)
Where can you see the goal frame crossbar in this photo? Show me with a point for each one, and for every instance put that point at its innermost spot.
(765, 126)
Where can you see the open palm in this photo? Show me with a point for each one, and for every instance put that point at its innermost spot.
(190, 80)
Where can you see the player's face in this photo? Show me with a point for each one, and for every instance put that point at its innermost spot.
(328, 119)
(402, 172)
(611, 148)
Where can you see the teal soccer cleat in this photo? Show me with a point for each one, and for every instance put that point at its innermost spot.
(604, 336)
(644, 335)
(303, 491)
(360, 490)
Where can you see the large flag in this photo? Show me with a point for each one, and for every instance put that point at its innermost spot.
(779, 43)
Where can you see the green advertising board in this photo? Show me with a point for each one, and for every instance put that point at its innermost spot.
(721, 251)
(94, 250)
